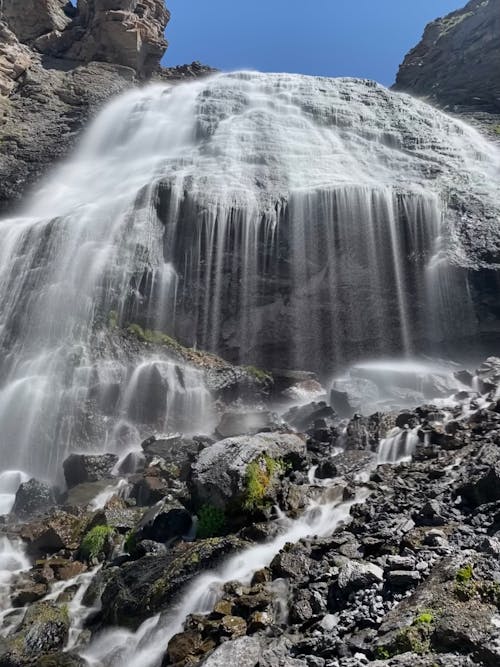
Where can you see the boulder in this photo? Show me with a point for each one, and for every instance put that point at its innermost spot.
(44, 630)
(58, 531)
(83, 468)
(356, 575)
(249, 422)
(220, 474)
(304, 417)
(141, 588)
(166, 520)
(33, 497)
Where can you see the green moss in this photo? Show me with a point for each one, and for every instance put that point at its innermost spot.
(259, 475)
(465, 573)
(95, 541)
(154, 337)
(258, 373)
(381, 653)
(424, 617)
(496, 129)
(211, 521)
(129, 542)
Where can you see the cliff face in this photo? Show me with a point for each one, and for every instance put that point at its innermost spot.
(58, 65)
(122, 32)
(457, 63)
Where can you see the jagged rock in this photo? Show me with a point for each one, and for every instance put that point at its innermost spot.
(30, 19)
(456, 62)
(14, 60)
(220, 472)
(84, 468)
(33, 497)
(58, 531)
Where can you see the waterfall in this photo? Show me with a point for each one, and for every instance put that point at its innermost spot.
(262, 216)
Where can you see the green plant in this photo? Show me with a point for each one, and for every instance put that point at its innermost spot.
(259, 474)
(129, 542)
(211, 521)
(496, 129)
(95, 541)
(465, 573)
(424, 617)
(381, 653)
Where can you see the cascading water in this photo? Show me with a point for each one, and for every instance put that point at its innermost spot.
(265, 216)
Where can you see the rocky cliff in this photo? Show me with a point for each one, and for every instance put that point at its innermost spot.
(457, 63)
(58, 65)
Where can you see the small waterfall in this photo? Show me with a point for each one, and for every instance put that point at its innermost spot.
(272, 218)
(398, 446)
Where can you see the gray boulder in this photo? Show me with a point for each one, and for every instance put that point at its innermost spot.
(220, 473)
(33, 497)
(82, 468)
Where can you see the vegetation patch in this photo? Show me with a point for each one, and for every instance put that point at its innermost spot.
(258, 478)
(95, 542)
(211, 522)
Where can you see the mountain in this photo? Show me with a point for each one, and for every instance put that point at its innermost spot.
(456, 65)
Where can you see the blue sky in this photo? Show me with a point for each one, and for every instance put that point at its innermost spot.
(366, 38)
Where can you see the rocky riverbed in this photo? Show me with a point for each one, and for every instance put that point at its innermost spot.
(345, 551)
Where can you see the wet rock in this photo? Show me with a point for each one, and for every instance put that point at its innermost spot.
(141, 588)
(83, 495)
(149, 487)
(43, 630)
(290, 563)
(246, 423)
(60, 530)
(33, 497)
(176, 452)
(304, 417)
(339, 400)
(166, 520)
(83, 468)
(220, 472)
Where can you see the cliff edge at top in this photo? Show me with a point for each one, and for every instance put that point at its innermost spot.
(456, 65)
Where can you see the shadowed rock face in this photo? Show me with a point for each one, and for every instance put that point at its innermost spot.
(457, 62)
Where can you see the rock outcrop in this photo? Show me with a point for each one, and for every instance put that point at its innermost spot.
(122, 32)
(457, 63)
(58, 65)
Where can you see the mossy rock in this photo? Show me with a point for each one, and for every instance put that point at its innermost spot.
(97, 544)
(144, 587)
(43, 631)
